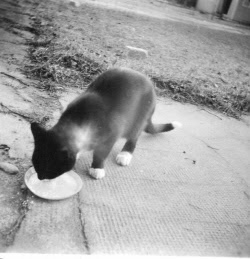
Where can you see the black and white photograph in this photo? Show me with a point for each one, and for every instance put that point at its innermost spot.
(124, 128)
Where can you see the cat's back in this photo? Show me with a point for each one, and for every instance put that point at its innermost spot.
(119, 81)
(119, 100)
(128, 97)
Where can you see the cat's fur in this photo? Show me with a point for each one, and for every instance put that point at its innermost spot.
(118, 104)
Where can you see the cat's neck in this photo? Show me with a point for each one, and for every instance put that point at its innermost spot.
(79, 130)
(75, 137)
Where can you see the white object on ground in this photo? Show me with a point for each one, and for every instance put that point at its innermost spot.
(75, 3)
(137, 53)
(8, 168)
(59, 188)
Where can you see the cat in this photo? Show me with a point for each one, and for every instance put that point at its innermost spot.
(119, 103)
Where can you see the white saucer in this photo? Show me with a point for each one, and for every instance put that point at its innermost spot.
(62, 187)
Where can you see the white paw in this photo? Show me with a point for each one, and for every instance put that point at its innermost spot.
(97, 173)
(124, 158)
(177, 124)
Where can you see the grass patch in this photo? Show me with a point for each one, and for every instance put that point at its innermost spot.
(232, 104)
(74, 45)
(57, 66)
(56, 63)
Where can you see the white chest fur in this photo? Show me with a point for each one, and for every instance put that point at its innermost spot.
(82, 137)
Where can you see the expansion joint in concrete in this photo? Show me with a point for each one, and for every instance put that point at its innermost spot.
(81, 217)
(10, 234)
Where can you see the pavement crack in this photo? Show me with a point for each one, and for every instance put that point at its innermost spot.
(13, 24)
(207, 144)
(203, 109)
(217, 151)
(11, 42)
(5, 109)
(13, 77)
(14, 11)
(10, 234)
(81, 217)
(204, 142)
(16, 225)
(43, 120)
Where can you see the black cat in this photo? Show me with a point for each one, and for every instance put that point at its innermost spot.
(118, 104)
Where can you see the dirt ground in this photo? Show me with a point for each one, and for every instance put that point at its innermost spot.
(201, 61)
(182, 43)
(211, 53)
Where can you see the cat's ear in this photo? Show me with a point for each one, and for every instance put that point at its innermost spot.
(37, 131)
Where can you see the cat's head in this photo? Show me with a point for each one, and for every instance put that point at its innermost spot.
(51, 157)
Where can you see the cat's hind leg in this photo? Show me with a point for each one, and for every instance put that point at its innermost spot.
(125, 156)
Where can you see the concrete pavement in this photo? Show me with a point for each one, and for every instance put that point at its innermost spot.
(186, 192)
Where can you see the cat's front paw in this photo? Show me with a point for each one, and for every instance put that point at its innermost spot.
(97, 173)
(124, 158)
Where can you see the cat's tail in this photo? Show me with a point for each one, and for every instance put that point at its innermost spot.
(157, 128)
